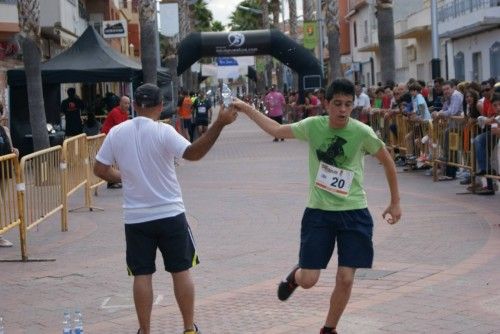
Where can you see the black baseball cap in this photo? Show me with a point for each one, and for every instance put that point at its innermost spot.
(147, 95)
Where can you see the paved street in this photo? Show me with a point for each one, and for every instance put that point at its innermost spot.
(437, 271)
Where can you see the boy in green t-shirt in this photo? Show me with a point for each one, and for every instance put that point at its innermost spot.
(337, 208)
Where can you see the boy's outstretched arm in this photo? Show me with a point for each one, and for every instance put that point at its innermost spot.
(394, 209)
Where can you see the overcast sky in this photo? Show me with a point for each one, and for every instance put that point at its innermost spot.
(221, 10)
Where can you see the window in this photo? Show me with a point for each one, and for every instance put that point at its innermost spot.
(495, 60)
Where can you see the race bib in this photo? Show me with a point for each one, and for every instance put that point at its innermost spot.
(334, 180)
(202, 109)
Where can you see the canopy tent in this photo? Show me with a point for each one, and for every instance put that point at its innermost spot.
(89, 60)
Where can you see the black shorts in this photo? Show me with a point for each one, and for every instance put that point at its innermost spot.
(202, 121)
(186, 123)
(172, 236)
(353, 231)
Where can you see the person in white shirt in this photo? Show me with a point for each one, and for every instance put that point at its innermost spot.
(144, 151)
(361, 106)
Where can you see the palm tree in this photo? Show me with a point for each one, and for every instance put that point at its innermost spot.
(202, 16)
(275, 8)
(264, 5)
(217, 26)
(184, 30)
(29, 23)
(292, 8)
(147, 21)
(245, 20)
(333, 35)
(308, 9)
(385, 23)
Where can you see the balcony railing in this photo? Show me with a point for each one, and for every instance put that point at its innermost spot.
(458, 8)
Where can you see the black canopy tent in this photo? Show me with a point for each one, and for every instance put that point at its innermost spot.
(89, 60)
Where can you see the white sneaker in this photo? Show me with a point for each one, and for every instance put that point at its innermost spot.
(5, 242)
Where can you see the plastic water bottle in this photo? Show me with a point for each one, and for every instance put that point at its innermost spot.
(226, 95)
(1, 325)
(63, 122)
(67, 323)
(78, 323)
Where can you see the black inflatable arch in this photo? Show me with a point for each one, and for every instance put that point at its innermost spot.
(252, 43)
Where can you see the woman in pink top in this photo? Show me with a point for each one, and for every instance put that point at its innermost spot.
(275, 103)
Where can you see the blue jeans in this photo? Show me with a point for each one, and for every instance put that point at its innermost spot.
(481, 147)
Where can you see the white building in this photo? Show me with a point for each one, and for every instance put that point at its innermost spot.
(470, 36)
(469, 32)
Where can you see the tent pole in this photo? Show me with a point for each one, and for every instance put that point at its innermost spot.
(131, 87)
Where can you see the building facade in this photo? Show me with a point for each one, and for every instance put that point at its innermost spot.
(469, 33)
(62, 22)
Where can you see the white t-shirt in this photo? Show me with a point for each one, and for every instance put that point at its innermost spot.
(362, 101)
(144, 151)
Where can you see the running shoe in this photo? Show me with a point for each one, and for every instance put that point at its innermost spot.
(193, 331)
(288, 285)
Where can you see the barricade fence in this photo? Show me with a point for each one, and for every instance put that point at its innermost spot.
(38, 186)
(10, 215)
(75, 166)
(93, 182)
(441, 142)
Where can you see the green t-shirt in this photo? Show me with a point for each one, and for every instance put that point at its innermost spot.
(343, 148)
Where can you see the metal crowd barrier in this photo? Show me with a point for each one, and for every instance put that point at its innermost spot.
(10, 199)
(41, 189)
(451, 148)
(441, 142)
(93, 182)
(491, 157)
(38, 186)
(75, 164)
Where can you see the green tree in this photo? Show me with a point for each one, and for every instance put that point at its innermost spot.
(385, 23)
(218, 26)
(147, 21)
(202, 16)
(246, 20)
(29, 24)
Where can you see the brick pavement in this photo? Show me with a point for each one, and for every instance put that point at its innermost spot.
(435, 272)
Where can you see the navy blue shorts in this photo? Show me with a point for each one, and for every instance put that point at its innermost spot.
(353, 231)
(172, 236)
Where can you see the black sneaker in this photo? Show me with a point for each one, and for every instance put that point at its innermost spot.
(288, 285)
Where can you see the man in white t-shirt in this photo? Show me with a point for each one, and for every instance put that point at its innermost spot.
(144, 151)
(361, 106)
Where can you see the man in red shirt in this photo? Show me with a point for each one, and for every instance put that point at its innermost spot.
(117, 115)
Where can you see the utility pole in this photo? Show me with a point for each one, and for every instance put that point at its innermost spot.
(436, 62)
